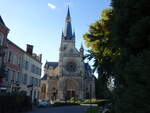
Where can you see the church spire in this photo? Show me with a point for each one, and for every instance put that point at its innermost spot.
(68, 27)
(68, 17)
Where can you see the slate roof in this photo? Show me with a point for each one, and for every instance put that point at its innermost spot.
(68, 28)
(51, 64)
(1, 21)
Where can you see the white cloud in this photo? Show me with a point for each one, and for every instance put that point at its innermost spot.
(52, 6)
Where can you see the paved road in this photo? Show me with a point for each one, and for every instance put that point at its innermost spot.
(68, 109)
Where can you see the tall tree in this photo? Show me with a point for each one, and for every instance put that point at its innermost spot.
(130, 32)
(98, 39)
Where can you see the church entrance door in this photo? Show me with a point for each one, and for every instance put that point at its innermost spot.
(71, 89)
(71, 94)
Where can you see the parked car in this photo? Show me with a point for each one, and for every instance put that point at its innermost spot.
(43, 103)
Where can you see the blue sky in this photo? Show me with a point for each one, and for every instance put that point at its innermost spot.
(37, 23)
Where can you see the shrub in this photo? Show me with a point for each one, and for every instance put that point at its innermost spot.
(94, 101)
(64, 104)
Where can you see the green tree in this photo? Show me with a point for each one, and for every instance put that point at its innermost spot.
(98, 39)
(130, 33)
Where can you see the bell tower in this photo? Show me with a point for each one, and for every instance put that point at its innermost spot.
(67, 46)
(71, 65)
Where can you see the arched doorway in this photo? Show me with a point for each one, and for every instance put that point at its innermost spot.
(72, 88)
(54, 94)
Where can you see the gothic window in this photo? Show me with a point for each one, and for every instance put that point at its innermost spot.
(71, 66)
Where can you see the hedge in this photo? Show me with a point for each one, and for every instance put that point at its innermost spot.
(15, 102)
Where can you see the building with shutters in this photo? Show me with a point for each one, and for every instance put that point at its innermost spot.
(21, 69)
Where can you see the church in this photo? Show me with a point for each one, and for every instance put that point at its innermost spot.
(70, 77)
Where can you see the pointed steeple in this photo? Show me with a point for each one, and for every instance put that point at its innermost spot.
(68, 27)
(68, 17)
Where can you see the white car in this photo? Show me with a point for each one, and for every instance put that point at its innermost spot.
(43, 103)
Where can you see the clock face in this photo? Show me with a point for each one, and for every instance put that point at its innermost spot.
(71, 66)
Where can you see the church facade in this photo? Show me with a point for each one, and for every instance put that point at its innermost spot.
(70, 77)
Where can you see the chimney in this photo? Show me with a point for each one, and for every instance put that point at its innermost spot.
(40, 57)
(29, 49)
